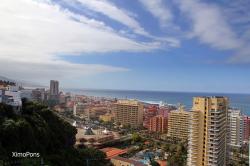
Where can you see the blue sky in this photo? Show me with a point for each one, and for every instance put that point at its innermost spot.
(170, 45)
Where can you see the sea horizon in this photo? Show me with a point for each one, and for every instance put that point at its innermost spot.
(152, 90)
(237, 100)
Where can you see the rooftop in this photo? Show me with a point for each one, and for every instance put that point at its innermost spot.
(112, 152)
(128, 102)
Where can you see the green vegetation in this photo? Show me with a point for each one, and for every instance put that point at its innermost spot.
(177, 153)
(136, 138)
(154, 163)
(239, 156)
(37, 129)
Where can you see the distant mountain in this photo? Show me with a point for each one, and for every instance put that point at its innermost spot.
(22, 83)
(6, 79)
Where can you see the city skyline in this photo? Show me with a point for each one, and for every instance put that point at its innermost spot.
(139, 45)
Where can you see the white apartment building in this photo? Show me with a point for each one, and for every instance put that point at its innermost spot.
(235, 121)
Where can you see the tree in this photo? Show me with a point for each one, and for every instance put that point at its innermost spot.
(154, 163)
(136, 137)
(37, 129)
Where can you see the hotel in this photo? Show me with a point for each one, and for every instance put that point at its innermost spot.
(129, 112)
(178, 123)
(208, 132)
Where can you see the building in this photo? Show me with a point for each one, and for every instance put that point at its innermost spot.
(54, 88)
(112, 152)
(12, 98)
(38, 94)
(164, 110)
(207, 145)
(92, 137)
(2, 96)
(178, 123)
(129, 112)
(235, 134)
(246, 130)
(78, 109)
(53, 93)
(149, 112)
(158, 124)
(120, 161)
(26, 93)
(94, 112)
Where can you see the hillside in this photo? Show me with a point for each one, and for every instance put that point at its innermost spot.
(38, 130)
(22, 82)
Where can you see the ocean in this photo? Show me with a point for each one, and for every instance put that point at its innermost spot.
(241, 101)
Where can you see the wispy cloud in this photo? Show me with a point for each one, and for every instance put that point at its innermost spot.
(210, 26)
(118, 14)
(43, 71)
(159, 10)
(128, 19)
(34, 33)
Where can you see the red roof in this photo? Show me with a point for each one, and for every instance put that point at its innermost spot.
(112, 152)
(162, 162)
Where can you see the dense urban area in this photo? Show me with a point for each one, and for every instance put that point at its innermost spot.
(70, 129)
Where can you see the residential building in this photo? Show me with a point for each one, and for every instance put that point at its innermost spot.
(164, 110)
(13, 88)
(26, 93)
(149, 112)
(246, 126)
(158, 124)
(79, 109)
(13, 98)
(207, 145)
(129, 112)
(38, 94)
(178, 123)
(235, 132)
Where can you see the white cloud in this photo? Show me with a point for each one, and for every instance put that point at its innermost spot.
(209, 25)
(43, 71)
(115, 13)
(158, 9)
(34, 33)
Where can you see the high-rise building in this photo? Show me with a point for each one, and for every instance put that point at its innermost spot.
(128, 112)
(54, 93)
(246, 130)
(2, 95)
(207, 145)
(78, 109)
(235, 134)
(149, 112)
(178, 123)
(158, 124)
(164, 111)
(54, 88)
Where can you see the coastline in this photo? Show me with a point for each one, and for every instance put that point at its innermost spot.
(241, 101)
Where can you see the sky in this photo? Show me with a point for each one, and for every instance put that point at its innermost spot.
(165, 45)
